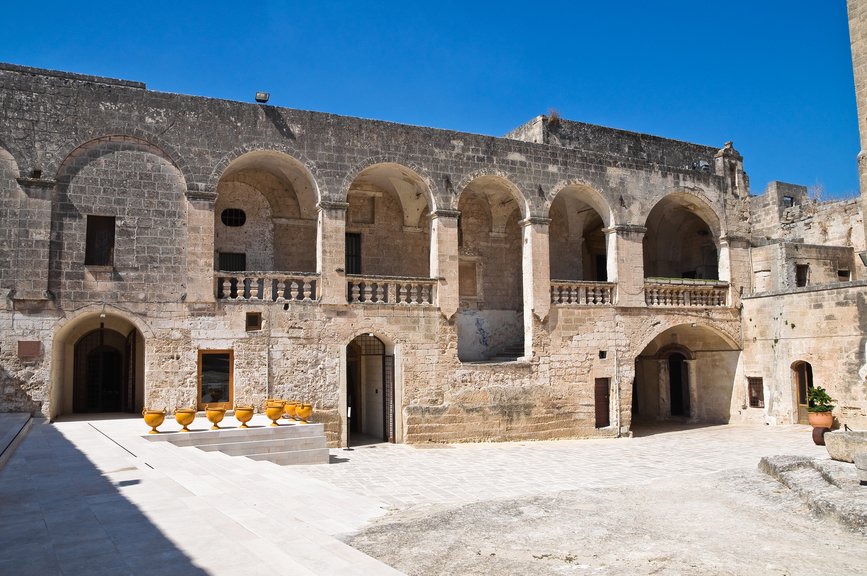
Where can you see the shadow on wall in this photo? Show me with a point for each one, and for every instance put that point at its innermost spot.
(63, 515)
(16, 393)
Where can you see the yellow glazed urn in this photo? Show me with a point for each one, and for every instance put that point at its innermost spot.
(215, 414)
(274, 410)
(289, 409)
(185, 417)
(243, 415)
(304, 412)
(154, 418)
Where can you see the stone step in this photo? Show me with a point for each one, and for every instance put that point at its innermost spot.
(246, 447)
(296, 457)
(231, 435)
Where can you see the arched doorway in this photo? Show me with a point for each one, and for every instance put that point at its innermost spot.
(370, 391)
(104, 372)
(802, 374)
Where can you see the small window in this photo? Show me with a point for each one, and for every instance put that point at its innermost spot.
(233, 217)
(603, 354)
(788, 201)
(843, 276)
(99, 243)
(254, 321)
(233, 262)
(756, 392)
(802, 274)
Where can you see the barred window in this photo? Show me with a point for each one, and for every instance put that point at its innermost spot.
(756, 392)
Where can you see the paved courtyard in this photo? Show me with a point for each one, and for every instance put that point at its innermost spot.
(94, 497)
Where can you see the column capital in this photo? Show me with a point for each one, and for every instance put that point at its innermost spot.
(534, 221)
(324, 205)
(445, 213)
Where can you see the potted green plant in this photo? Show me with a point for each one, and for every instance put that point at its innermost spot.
(820, 408)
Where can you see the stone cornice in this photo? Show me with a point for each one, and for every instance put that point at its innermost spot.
(331, 205)
(535, 221)
(444, 213)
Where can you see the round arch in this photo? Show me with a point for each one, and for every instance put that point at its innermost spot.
(397, 168)
(69, 332)
(487, 181)
(578, 244)
(371, 388)
(682, 238)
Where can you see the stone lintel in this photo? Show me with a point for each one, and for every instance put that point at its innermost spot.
(444, 213)
(535, 221)
(326, 205)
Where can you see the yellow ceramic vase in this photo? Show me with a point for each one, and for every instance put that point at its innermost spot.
(154, 418)
(185, 417)
(304, 411)
(274, 410)
(215, 414)
(243, 414)
(289, 409)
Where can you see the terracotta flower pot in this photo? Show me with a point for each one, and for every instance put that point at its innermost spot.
(244, 414)
(820, 419)
(215, 414)
(154, 418)
(185, 417)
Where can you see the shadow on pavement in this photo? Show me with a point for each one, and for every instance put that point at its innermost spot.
(61, 514)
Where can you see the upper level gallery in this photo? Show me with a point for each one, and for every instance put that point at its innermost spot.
(111, 192)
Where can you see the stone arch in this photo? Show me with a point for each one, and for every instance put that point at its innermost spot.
(123, 134)
(388, 222)
(278, 196)
(494, 175)
(297, 156)
(430, 189)
(70, 329)
(682, 238)
(578, 244)
(685, 370)
(371, 386)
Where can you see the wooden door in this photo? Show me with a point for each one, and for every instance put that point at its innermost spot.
(603, 403)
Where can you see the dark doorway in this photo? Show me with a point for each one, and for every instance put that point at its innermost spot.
(803, 381)
(370, 389)
(603, 403)
(678, 379)
(104, 372)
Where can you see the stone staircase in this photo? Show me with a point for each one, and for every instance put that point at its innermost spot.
(285, 445)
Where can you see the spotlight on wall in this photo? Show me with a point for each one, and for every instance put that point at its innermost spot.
(262, 97)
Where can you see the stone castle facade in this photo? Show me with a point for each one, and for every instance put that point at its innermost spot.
(566, 280)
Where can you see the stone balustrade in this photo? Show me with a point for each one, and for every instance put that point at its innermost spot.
(390, 290)
(574, 293)
(267, 286)
(684, 293)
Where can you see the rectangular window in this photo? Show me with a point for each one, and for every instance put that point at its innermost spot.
(233, 262)
(788, 201)
(843, 276)
(802, 274)
(215, 378)
(756, 391)
(353, 253)
(99, 243)
(254, 321)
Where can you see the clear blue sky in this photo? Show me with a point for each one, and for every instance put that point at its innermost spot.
(774, 76)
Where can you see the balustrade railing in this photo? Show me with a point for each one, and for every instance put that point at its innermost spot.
(390, 290)
(267, 286)
(682, 293)
(576, 293)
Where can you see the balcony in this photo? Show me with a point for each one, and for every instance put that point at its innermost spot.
(400, 290)
(685, 293)
(267, 286)
(572, 293)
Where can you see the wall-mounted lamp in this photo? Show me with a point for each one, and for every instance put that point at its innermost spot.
(262, 97)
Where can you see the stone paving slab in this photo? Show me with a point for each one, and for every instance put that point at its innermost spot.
(97, 497)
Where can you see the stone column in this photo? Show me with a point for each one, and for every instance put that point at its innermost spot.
(693, 390)
(664, 389)
(331, 252)
(536, 268)
(735, 267)
(444, 260)
(626, 263)
(200, 246)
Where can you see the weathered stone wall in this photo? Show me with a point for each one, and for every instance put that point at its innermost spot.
(822, 326)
